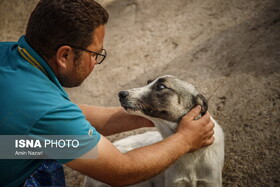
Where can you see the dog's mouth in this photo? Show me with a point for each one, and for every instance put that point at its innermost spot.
(145, 109)
(129, 107)
(134, 105)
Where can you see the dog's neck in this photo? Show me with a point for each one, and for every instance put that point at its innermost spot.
(166, 128)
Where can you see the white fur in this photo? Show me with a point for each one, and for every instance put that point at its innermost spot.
(139, 140)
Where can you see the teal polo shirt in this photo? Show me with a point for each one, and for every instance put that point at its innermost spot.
(33, 102)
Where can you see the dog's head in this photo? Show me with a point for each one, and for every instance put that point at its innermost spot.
(166, 97)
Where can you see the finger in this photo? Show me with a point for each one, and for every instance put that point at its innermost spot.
(205, 118)
(210, 125)
(210, 141)
(210, 133)
(193, 113)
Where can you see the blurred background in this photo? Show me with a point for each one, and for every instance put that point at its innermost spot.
(230, 50)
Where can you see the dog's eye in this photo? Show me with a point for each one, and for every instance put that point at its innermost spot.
(161, 86)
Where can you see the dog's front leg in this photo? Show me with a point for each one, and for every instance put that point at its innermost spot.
(217, 183)
(213, 184)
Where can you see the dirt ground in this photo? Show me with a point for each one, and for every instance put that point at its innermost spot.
(229, 49)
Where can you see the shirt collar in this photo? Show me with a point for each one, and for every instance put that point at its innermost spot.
(50, 74)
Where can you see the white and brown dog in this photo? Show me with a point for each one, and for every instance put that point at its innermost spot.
(165, 101)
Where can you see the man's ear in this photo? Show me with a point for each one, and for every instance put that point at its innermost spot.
(200, 100)
(64, 55)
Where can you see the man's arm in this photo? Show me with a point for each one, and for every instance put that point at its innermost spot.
(118, 169)
(112, 120)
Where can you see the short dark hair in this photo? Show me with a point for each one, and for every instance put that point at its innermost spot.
(54, 23)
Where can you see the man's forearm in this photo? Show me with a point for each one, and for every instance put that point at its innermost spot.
(112, 120)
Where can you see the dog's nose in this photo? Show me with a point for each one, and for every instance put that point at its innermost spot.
(123, 94)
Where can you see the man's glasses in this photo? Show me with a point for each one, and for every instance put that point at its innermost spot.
(99, 57)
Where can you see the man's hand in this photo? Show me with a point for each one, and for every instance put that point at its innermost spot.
(196, 133)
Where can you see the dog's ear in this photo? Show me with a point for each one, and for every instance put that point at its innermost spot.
(200, 100)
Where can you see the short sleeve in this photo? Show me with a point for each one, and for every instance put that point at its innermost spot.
(68, 120)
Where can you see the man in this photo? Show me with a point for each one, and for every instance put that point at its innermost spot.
(62, 45)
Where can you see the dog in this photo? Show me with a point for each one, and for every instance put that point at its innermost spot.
(165, 101)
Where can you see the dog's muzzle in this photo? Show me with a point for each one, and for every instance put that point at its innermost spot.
(123, 99)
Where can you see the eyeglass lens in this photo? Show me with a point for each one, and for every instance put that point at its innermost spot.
(100, 58)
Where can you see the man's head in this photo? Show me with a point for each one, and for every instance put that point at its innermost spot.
(55, 27)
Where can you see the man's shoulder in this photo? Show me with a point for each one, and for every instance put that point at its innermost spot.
(6, 48)
(25, 101)
(27, 94)
(6, 52)
(7, 44)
